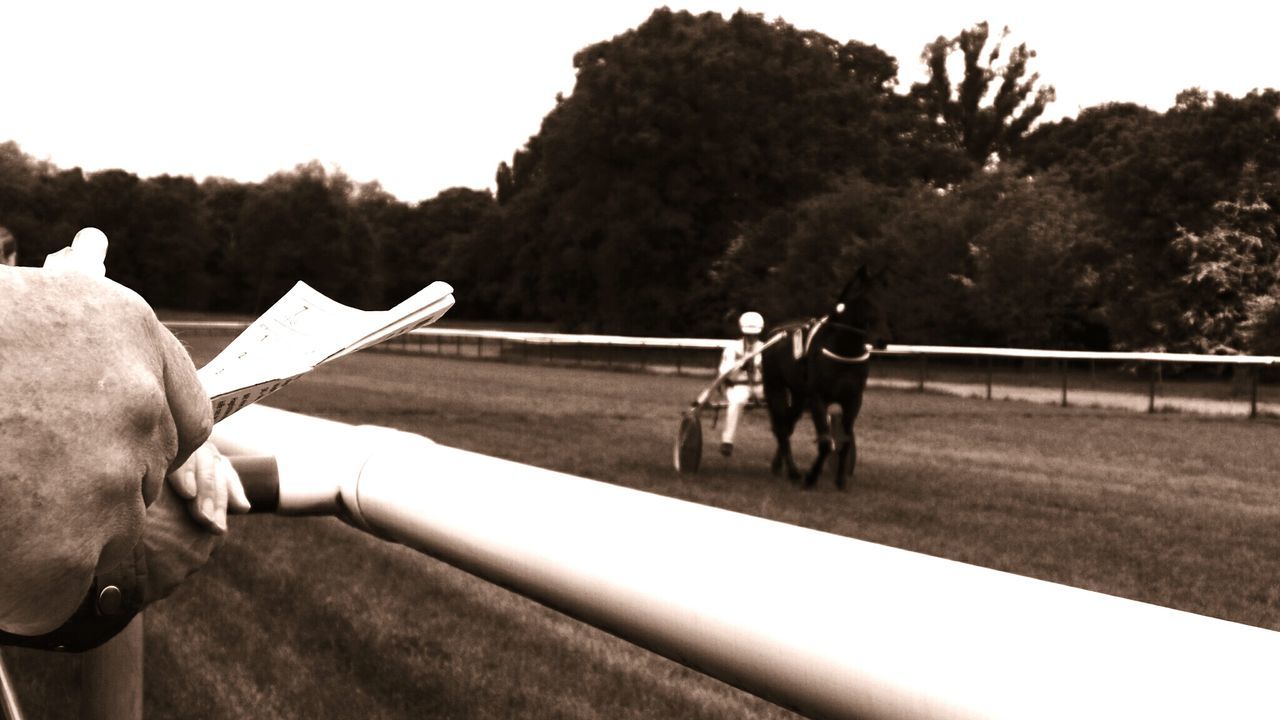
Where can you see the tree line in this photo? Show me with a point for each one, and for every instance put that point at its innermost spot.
(706, 165)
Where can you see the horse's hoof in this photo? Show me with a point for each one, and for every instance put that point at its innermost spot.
(809, 482)
(776, 466)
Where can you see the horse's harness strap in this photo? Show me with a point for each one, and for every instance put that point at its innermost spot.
(813, 332)
(866, 355)
(825, 319)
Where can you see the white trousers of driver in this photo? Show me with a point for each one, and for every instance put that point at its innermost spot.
(737, 397)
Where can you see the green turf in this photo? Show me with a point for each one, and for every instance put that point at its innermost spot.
(308, 618)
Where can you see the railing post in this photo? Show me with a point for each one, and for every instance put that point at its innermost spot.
(989, 372)
(1151, 397)
(1064, 382)
(924, 369)
(111, 677)
(1254, 372)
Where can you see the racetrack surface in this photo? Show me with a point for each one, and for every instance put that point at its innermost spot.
(309, 618)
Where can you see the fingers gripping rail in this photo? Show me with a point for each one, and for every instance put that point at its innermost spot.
(297, 465)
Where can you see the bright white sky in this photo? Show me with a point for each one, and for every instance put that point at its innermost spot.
(422, 96)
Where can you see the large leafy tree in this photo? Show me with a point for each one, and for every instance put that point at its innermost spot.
(1031, 277)
(1232, 278)
(1157, 177)
(423, 242)
(794, 262)
(678, 135)
(999, 259)
(992, 104)
(301, 225)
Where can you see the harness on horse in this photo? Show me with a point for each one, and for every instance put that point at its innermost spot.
(802, 341)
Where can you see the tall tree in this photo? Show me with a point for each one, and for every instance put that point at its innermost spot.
(1032, 275)
(678, 135)
(796, 259)
(980, 122)
(1155, 177)
(422, 242)
(1232, 278)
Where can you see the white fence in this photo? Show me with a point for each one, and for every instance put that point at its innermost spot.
(700, 355)
(826, 625)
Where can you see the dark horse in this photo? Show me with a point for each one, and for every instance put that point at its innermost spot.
(831, 369)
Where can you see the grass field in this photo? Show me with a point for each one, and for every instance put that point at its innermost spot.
(308, 618)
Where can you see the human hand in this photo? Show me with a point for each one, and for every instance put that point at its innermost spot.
(178, 538)
(98, 402)
(211, 487)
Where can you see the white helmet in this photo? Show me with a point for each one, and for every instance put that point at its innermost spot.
(752, 323)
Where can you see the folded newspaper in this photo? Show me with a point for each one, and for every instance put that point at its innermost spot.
(302, 331)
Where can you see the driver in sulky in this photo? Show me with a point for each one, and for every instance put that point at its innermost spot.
(745, 383)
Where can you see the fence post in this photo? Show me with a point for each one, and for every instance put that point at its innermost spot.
(989, 362)
(924, 369)
(1063, 363)
(111, 677)
(1151, 397)
(1254, 372)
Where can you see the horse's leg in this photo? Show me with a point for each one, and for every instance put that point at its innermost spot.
(794, 411)
(776, 400)
(821, 427)
(849, 449)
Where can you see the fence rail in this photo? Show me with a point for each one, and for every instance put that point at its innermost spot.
(826, 625)
(1145, 378)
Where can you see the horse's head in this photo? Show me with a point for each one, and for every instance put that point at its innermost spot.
(857, 311)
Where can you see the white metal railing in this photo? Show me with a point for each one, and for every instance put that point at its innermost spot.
(829, 626)
(526, 345)
(543, 338)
